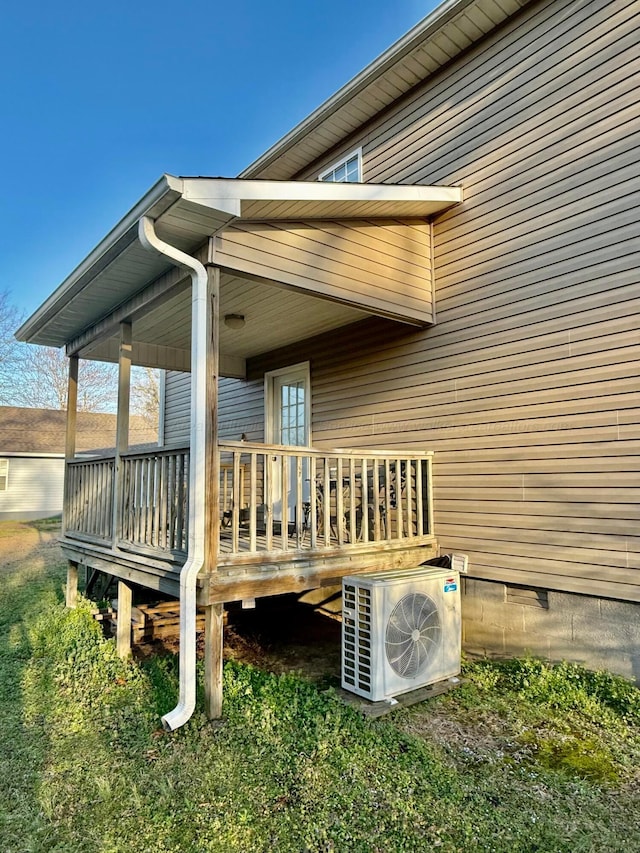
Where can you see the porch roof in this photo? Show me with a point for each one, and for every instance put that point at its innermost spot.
(188, 211)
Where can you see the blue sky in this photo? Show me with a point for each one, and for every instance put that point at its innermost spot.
(99, 99)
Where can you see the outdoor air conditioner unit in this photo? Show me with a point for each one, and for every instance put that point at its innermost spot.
(400, 630)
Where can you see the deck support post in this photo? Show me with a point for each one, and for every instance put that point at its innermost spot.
(212, 458)
(213, 648)
(122, 422)
(71, 591)
(70, 437)
(214, 612)
(123, 636)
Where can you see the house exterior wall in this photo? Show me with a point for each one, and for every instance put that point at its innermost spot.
(527, 387)
(176, 402)
(35, 488)
(385, 267)
(240, 409)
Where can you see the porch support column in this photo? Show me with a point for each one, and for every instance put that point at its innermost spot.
(123, 635)
(122, 423)
(69, 454)
(213, 612)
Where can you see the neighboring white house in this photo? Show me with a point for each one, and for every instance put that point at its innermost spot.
(32, 456)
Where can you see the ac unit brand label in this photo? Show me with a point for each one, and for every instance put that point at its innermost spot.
(450, 585)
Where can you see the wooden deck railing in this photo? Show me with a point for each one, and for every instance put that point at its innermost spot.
(88, 505)
(154, 500)
(306, 498)
(272, 499)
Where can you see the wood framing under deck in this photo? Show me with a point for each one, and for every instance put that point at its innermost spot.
(275, 575)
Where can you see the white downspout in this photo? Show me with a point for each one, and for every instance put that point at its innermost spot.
(195, 553)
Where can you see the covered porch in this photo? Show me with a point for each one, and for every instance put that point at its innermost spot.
(279, 507)
(203, 276)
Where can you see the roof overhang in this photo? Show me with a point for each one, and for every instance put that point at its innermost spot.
(187, 211)
(453, 27)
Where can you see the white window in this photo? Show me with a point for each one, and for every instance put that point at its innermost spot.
(4, 475)
(348, 170)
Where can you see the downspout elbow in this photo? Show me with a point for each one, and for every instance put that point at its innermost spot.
(195, 551)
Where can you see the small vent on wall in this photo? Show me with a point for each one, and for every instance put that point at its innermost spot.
(527, 596)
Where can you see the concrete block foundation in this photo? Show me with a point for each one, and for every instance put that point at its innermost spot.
(598, 633)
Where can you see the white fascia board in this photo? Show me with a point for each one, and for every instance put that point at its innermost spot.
(227, 195)
(153, 203)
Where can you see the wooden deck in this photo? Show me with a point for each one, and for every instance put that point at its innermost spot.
(346, 512)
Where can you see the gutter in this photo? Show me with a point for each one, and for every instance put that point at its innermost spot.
(195, 551)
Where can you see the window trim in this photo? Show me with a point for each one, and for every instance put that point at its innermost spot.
(4, 463)
(357, 152)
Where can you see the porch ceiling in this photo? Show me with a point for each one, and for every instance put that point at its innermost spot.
(188, 211)
(274, 318)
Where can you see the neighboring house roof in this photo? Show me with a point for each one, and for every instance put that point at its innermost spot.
(450, 29)
(42, 431)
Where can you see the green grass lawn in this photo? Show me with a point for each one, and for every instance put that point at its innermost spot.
(524, 757)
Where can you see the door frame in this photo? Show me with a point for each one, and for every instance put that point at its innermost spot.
(294, 372)
(302, 370)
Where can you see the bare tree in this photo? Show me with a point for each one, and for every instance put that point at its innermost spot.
(42, 379)
(145, 394)
(37, 377)
(10, 349)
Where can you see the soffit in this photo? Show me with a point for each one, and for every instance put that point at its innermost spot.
(451, 28)
(274, 318)
(189, 210)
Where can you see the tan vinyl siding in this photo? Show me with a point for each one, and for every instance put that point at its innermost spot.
(384, 267)
(240, 409)
(177, 407)
(527, 388)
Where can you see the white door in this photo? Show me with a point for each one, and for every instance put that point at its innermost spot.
(288, 422)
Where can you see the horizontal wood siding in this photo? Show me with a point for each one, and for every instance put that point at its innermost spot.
(527, 387)
(384, 267)
(34, 486)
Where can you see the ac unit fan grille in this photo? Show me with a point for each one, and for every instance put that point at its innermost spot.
(413, 635)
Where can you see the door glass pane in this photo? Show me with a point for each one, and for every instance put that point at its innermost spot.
(292, 413)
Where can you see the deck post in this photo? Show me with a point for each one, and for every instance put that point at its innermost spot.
(71, 591)
(122, 422)
(70, 437)
(213, 649)
(123, 636)
(214, 612)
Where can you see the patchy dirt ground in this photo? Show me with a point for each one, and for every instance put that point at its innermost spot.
(20, 540)
(280, 635)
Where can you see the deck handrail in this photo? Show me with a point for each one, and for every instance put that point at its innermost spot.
(325, 498)
(317, 451)
(273, 498)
